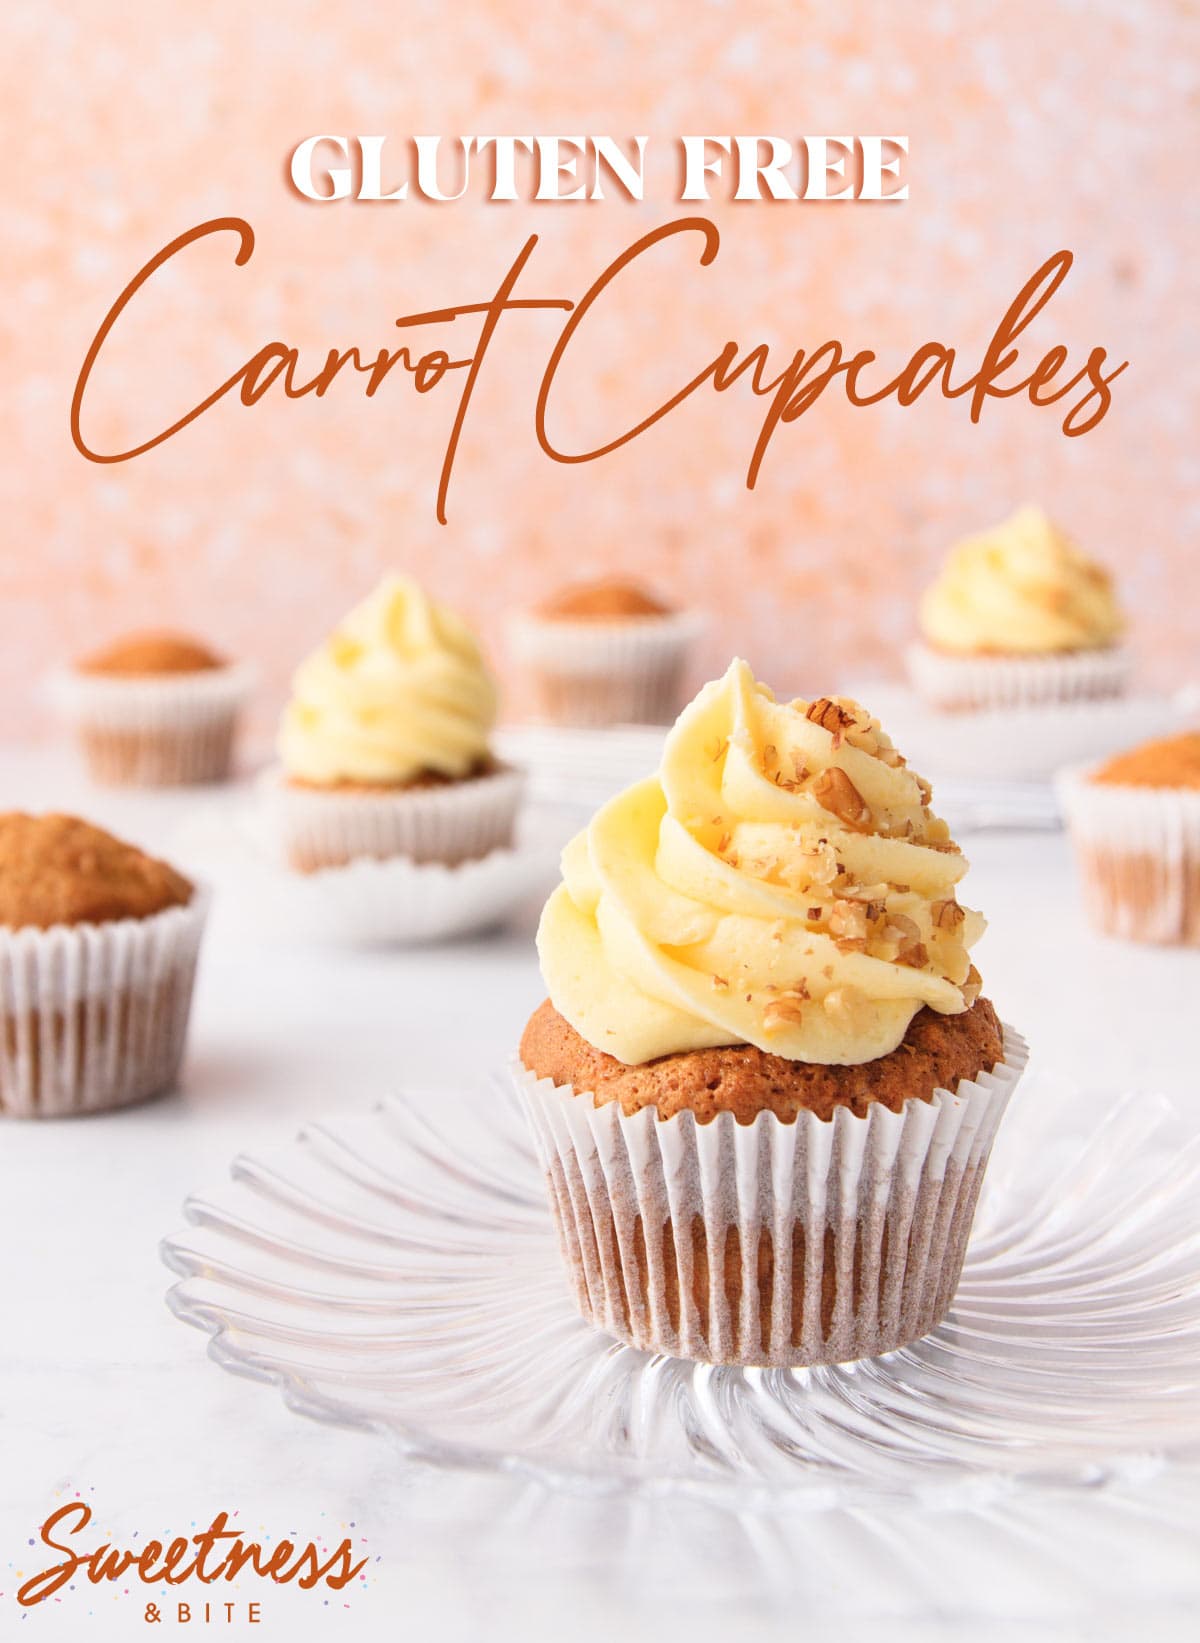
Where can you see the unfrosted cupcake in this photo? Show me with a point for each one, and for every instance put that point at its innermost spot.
(1135, 825)
(604, 653)
(155, 709)
(98, 947)
(384, 745)
(764, 1087)
(1019, 618)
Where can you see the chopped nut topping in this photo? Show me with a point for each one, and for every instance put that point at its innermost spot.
(946, 915)
(814, 913)
(844, 1004)
(848, 918)
(851, 944)
(830, 717)
(972, 986)
(835, 792)
(915, 957)
(782, 1012)
(720, 984)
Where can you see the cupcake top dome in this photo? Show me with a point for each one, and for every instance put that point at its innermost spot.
(1022, 588)
(398, 691)
(60, 870)
(150, 653)
(605, 601)
(781, 882)
(1170, 761)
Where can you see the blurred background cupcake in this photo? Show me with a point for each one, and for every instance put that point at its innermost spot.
(1019, 618)
(385, 744)
(98, 949)
(155, 709)
(1135, 825)
(605, 653)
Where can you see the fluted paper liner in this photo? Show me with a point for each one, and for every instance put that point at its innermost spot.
(94, 1016)
(1138, 850)
(768, 1243)
(459, 821)
(162, 731)
(609, 672)
(982, 682)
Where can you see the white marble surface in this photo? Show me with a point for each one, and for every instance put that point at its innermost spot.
(103, 1392)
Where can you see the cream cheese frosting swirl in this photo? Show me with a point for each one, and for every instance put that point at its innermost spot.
(1022, 588)
(781, 882)
(399, 690)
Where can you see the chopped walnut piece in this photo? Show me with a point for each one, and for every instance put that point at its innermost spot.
(783, 1012)
(906, 934)
(848, 918)
(946, 915)
(844, 1004)
(971, 987)
(814, 913)
(851, 944)
(830, 717)
(835, 792)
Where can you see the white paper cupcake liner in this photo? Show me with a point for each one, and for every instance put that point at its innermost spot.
(1138, 850)
(768, 1243)
(94, 1016)
(606, 672)
(983, 682)
(1028, 744)
(448, 824)
(367, 903)
(169, 730)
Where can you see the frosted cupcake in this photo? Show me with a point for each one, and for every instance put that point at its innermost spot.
(605, 653)
(1019, 618)
(764, 1086)
(155, 709)
(98, 948)
(384, 744)
(1135, 825)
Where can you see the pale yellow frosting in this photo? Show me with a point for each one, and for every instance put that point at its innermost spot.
(399, 688)
(780, 882)
(1022, 588)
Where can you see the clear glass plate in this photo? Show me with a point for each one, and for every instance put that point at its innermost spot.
(398, 1271)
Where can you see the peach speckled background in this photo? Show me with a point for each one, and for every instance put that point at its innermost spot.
(1034, 124)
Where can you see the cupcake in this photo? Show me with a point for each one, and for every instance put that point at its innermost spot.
(155, 710)
(1135, 825)
(1019, 618)
(384, 745)
(764, 1086)
(98, 946)
(605, 653)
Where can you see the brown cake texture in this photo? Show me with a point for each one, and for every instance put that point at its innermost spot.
(602, 601)
(143, 655)
(937, 1052)
(57, 869)
(1171, 761)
